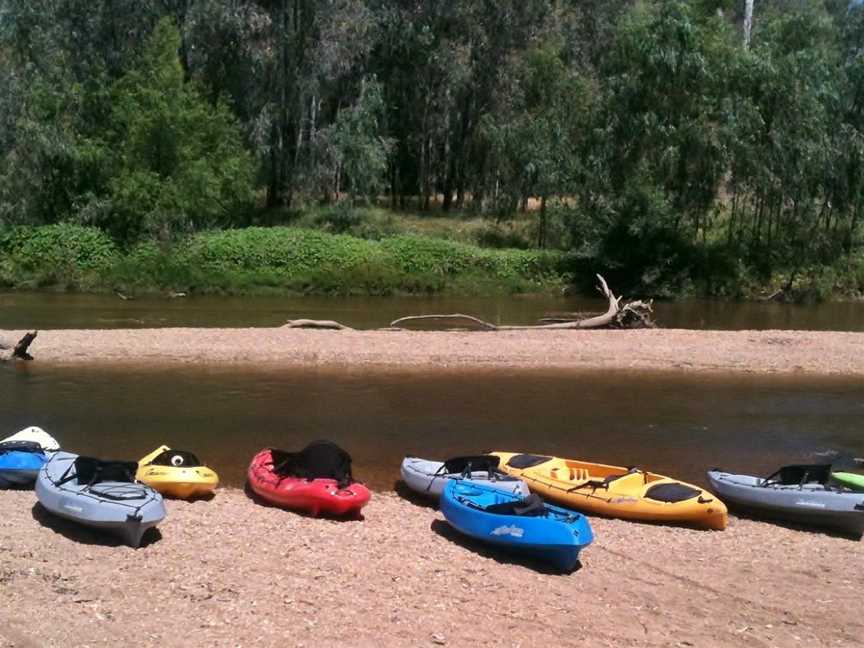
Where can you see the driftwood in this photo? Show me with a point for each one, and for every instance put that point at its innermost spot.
(316, 324)
(20, 350)
(396, 324)
(636, 314)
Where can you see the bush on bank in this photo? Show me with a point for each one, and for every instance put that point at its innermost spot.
(277, 259)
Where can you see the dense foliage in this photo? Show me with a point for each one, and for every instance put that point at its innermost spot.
(645, 138)
(257, 259)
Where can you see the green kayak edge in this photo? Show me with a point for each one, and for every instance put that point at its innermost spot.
(852, 480)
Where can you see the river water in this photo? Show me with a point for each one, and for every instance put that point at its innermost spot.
(674, 423)
(64, 310)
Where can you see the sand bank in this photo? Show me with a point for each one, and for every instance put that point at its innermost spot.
(663, 349)
(231, 572)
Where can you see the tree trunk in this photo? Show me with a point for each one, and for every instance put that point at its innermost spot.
(748, 22)
(541, 229)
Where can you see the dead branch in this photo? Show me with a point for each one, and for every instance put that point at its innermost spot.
(20, 350)
(634, 314)
(455, 316)
(316, 324)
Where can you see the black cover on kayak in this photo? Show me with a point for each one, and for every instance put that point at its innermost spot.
(522, 461)
(800, 474)
(89, 470)
(176, 458)
(20, 446)
(531, 506)
(318, 460)
(458, 465)
(671, 493)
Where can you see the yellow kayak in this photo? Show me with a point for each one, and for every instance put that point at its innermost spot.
(176, 473)
(631, 494)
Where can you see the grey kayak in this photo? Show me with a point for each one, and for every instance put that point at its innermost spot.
(802, 494)
(430, 477)
(102, 495)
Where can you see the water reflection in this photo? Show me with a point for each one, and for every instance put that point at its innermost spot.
(59, 310)
(675, 423)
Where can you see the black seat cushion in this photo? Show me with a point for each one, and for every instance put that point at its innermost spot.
(531, 506)
(318, 460)
(672, 493)
(522, 461)
(476, 463)
(176, 458)
(89, 470)
(802, 474)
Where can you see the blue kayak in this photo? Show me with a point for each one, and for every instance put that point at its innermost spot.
(526, 525)
(20, 462)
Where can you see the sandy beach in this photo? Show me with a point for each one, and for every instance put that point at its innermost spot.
(661, 349)
(231, 572)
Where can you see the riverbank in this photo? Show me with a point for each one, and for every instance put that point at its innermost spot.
(781, 352)
(230, 572)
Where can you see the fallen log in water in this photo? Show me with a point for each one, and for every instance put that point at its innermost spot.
(20, 350)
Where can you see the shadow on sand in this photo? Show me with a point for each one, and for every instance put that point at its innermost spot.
(495, 553)
(86, 535)
(759, 516)
(415, 498)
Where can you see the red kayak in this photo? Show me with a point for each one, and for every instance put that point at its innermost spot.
(319, 496)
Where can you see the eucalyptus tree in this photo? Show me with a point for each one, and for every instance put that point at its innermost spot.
(785, 115)
(536, 135)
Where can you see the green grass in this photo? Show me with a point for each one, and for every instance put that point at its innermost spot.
(518, 231)
(271, 260)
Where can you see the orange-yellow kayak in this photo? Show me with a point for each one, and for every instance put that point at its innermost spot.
(613, 491)
(176, 473)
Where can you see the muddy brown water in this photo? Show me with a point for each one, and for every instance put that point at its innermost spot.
(678, 424)
(65, 310)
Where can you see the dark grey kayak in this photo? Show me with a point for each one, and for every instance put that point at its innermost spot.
(99, 494)
(430, 477)
(802, 494)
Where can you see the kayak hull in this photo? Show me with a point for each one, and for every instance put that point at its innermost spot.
(425, 478)
(615, 491)
(315, 497)
(558, 537)
(20, 468)
(180, 482)
(810, 504)
(122, 509)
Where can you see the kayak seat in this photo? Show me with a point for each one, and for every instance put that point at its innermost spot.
(800, 474)
(671, 493)
(478, 463)
(89, 470)
(531, 506)
(523, 461)
(633, 473)
(318, 460)
(176, 458)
